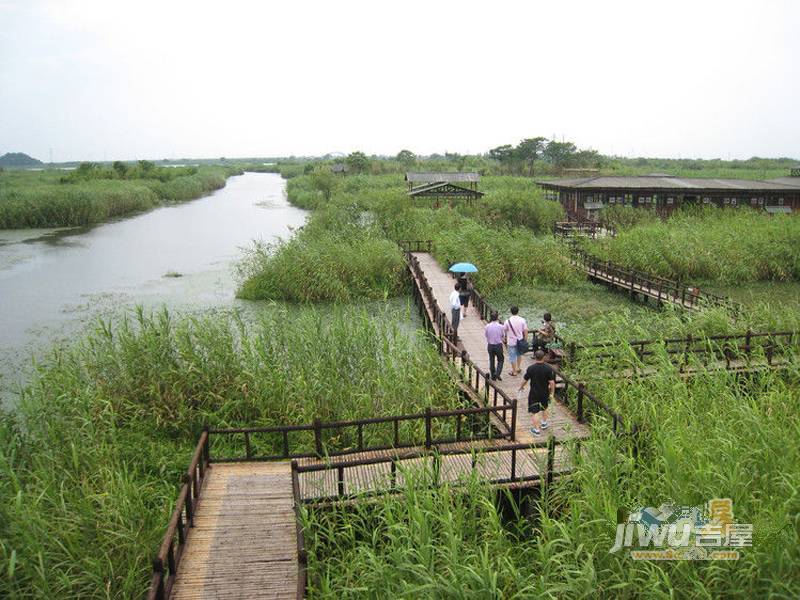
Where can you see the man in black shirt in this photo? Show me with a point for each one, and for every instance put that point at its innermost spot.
(543, 387)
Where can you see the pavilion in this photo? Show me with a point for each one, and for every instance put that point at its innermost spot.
(444, 186)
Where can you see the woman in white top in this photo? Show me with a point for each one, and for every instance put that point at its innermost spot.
(516, 329)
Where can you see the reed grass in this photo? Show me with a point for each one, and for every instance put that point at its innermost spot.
(92, 457)
(31, 199)
(724, 246)
(713, 437)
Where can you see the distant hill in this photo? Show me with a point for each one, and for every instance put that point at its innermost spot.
(18, 159)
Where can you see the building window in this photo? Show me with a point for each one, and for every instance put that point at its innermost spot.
(733, 201)
(780, 201)
(670, 200)
(706, 200)
(754, 201)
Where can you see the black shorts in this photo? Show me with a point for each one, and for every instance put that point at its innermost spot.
(464, 300)
(536, 405)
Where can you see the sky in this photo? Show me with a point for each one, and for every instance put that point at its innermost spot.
(108, 80)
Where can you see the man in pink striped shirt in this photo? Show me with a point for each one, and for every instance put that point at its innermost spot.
(495, 334)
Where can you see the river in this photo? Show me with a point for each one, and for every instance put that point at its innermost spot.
(56, 282)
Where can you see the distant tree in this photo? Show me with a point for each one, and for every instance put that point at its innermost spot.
(357, 161)
(146, 165)
(503, 154)
(407, 158)
(559, 154)
(121, 168)
(308, 168)
(86, 170)
(528, 150)
(324, 181)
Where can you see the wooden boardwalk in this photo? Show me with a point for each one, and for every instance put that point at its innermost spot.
(647, 285)
(563, 423)
(234, 532)
(243, 543)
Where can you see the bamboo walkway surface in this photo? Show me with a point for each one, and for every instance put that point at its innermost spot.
(243, 543)
(530, 464)
(563, 423)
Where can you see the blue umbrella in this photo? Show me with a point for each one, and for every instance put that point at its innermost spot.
(463, 268)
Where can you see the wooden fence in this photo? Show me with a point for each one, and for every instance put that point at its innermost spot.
(639, 282)
(727, 348)
(467, 424)
(591, 229)
(511, 477)
(165, 565)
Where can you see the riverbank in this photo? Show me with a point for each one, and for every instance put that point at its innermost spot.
(55, 283)
(56, 198)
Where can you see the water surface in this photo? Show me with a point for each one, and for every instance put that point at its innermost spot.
(55, 282)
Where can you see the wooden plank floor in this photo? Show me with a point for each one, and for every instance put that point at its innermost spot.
(244, 541)
(563, 423)
(489, 466)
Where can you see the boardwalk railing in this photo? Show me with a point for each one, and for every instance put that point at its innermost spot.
(585, 403)
(302, 555)
(727, 348)
(395, 431)
(416, 245)
(639, 282)
(438, 325)
(546, 474)
(165, 565)
(592, 229)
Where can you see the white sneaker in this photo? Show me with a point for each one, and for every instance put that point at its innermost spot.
(545, 425)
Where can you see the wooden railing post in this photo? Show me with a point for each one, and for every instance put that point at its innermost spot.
(340, 480)
(428, 428)
(207, 446)
(318, 437)
(551, 458)
(188, 504)
(158, 567)
(581, 392)
(514, 420)
(747, 337)
(513, 464)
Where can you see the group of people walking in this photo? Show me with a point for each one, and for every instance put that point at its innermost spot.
(513, 334)
(542, 378)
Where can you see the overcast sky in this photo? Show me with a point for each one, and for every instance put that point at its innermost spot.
(94, 80)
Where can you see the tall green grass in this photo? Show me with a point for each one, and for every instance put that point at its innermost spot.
(91, 460)
(712, 438)
(30, 199)
(339, 255)
(726, 246)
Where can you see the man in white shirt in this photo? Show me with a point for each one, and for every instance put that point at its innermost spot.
(516, 329)
(455, 308)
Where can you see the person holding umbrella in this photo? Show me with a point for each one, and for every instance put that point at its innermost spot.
(464, 293)
(464, 284)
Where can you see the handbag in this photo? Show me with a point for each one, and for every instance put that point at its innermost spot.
(522, 345)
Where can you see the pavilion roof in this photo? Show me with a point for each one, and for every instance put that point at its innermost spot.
(462, 177)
